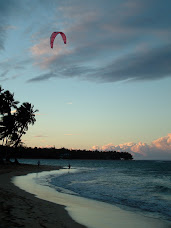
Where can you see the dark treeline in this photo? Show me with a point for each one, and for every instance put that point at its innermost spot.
(63, 153)
(15, 119)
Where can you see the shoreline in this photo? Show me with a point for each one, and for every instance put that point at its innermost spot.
(24, 203)
(19, 208)
(89, 212)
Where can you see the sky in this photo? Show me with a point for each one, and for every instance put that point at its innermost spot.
(108, 88)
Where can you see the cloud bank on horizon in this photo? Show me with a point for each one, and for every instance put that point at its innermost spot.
(159, 149)
(107, 41)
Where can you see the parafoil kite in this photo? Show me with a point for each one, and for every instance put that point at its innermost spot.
(54, 34)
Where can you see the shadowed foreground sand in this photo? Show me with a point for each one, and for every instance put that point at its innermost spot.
(21, 209)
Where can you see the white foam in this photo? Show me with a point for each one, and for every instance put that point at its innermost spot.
(91, 213)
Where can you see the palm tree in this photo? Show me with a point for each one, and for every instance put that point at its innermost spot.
(1, 100)
(7, 129)
(7, 102)
(25, 115)
(14, 125)
(7, 121)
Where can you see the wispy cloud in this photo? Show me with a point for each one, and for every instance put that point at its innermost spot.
(149, 65)
(40, 114)
(40, 136)
(3, 74)
(9, 27)
(47, 146)
(103, 38)
(9, 9)
(14, 64)
(41, 48)
(104, 43)
(157, 149)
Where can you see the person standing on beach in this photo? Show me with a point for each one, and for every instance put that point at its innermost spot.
(38, 163)
(69, 166)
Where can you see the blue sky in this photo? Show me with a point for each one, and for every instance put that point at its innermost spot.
(107, 88)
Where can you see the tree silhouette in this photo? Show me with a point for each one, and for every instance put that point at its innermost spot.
(14, 124)
(7, 120)
(25, 115)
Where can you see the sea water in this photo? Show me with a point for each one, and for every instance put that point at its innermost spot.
(139, 186)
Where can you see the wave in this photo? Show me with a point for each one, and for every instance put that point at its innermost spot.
(162, 189)
(140, 186)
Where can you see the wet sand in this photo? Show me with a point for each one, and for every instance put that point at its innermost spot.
(91, 213)
(21, 209)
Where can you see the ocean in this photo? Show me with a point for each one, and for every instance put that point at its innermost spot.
(143, 187)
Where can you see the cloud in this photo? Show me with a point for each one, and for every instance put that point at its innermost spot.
(153, 15)
(8, 9)
(11, 65)
(3, 11)
(40, 114)
(40, 136)
(47, 146)
(10, 27)
(105, 40)
(13, 15)
(3, 74)
(44, 56)
(41, 48)
(42, 77)
(149, 65)
(157, 149)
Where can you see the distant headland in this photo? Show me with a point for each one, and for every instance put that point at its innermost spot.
(62, 153)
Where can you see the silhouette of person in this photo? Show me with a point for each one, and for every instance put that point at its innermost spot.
(69, 166)
(38, 163)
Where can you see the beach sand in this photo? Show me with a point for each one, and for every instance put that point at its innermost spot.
(21, 209)
(91, 213)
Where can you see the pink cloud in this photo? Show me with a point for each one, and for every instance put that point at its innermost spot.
(163, 143)
(95, 148)
(41, 48)
(44, 56)
(157, 149)
(47, 146)
(40, 114)
(40, 136)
